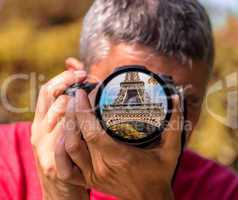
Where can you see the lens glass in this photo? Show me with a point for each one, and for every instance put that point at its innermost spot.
(133, 105)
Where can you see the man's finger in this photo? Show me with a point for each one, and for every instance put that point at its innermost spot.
(73, 64)
(74, 144)
(66, 170)
(92, 96)
(78, 152)
(54, 88)
(61, 82)
(172, 136)
(55, 112)
(46, 147)
(86, 120)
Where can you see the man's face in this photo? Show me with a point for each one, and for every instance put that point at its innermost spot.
(193, 77)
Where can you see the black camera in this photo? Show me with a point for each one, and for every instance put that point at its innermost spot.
(133, 104)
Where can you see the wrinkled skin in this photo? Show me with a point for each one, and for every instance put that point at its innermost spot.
(48, 128)
(116, 168)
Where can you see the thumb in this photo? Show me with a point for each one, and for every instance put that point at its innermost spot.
(171, 138)
(87, 122)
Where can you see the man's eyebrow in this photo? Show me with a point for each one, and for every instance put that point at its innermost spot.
(195, 98)
(190, 92)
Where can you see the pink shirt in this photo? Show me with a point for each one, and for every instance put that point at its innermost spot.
(197, 177)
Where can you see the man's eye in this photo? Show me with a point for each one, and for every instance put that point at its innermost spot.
(194, 101)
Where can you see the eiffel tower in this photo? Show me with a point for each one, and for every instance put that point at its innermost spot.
(133, 105)
(132, 90)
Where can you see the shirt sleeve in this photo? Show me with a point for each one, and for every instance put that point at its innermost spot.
(4, 189)
(200, 178)
(18, 176)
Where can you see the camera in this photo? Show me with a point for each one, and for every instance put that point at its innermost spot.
(133, 104)
(88, 87)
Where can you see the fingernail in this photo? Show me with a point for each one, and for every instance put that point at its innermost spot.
(71, 60)
(80, 73)
(80, 94)
(70, 69)
(62, 140)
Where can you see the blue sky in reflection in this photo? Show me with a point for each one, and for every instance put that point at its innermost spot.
(154, 91)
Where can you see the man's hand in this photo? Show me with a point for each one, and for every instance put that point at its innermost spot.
(118, 169)
(48, 130)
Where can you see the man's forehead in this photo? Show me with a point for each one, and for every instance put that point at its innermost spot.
(120, 55)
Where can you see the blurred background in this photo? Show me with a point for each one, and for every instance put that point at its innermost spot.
(37, 36)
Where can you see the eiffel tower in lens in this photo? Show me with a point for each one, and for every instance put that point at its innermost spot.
(132, 91)
(133, 105)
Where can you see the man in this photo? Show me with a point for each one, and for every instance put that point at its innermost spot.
(171, 37)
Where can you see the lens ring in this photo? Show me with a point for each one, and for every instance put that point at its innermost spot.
(117, 109)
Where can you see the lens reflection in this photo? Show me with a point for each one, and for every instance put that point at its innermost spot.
(133, 105)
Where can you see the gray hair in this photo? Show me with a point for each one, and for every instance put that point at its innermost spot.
(178, 28)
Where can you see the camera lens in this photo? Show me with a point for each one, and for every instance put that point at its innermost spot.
(133, 105)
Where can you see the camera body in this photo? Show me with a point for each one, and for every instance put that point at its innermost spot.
(88, 87)
(134, 105)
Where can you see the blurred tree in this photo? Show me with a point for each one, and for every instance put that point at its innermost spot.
(36, 36)
(46, 12)
(25, 49)
(213, 139)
